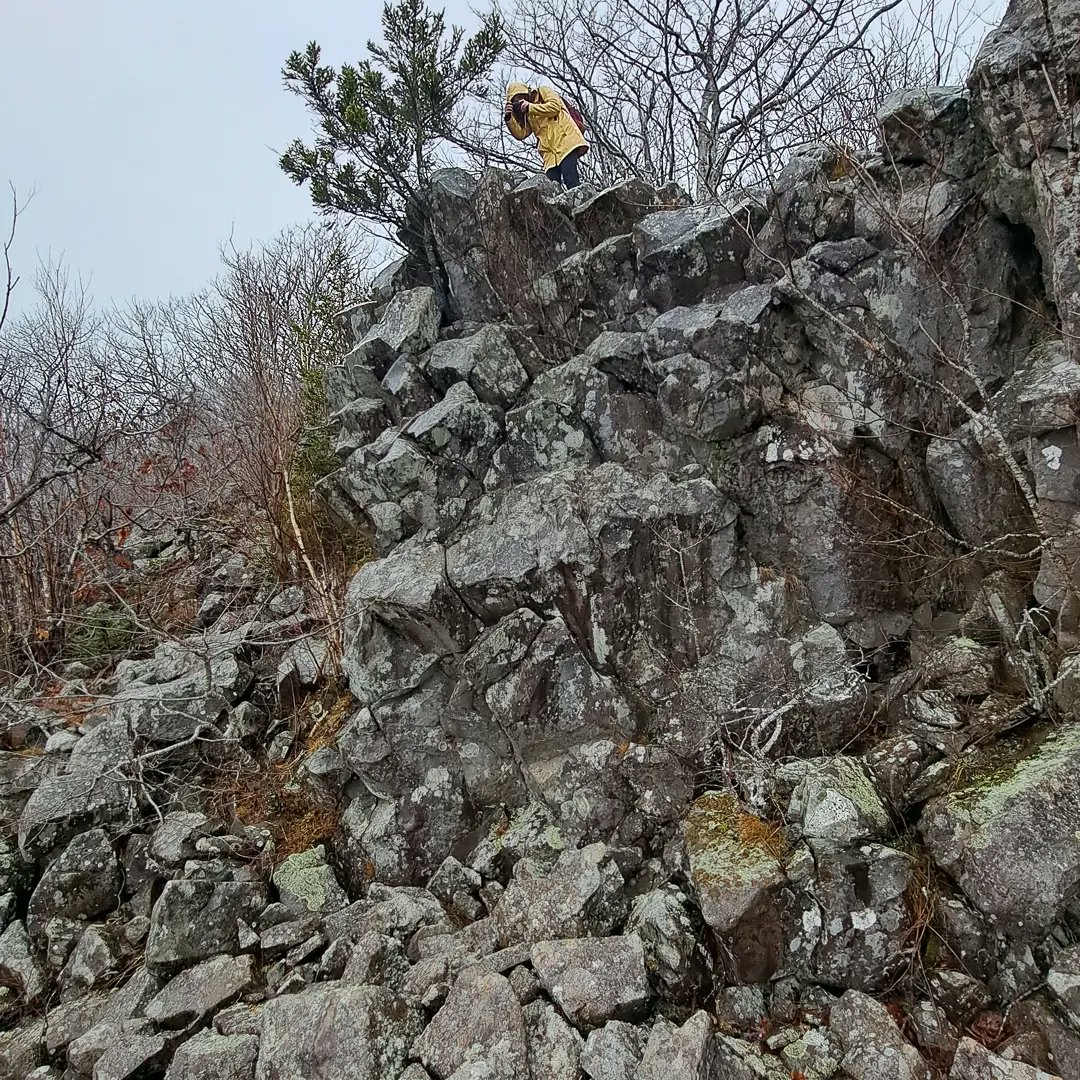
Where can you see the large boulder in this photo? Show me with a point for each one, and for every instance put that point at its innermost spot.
(684, 254)
(348, 1032)
(21, 973)
(581, 894)
(82, 882)
(856, 925)
(210, 1056)
(487, 360)
(874, 1047)
(932, 126)
(199, 991)
(409, 325)
(182, 688)
(678, 963)
(594, 980)
(615, 210)
(976, 490)
(554, 1046)
(94, 786)
(740, 885)
(836, 800)
(691, 1051)
(604, 534)
(196, 919)
(973, 1061)
(1009, 835)
(481, 1021)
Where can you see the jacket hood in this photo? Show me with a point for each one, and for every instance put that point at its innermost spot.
(515, 88)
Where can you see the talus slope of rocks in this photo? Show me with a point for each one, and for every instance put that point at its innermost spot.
(711, 698)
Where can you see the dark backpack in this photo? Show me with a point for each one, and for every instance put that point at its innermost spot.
(575, 115)
(573, 110)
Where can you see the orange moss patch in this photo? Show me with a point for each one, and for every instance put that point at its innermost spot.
(716, 817)
(767, 835)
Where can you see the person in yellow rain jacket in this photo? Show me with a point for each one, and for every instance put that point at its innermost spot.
(543, 113)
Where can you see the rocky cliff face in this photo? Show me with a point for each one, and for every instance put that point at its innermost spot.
(715, 684)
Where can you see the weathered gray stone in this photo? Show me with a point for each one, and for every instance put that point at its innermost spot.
(677, 963)
(815, 1054)
(836, 800)
(982, 501)
(194, 920)
(306, 883)
(409, 324)
(738, 881)
(616, 209)
(83, 881)
(91, 788)
(19, 967)
(931, 127)
(133, 1051)
(538, 544)
(398, 912)
(209, 1056)
(613, 1052)
(73, 1019)
(1063, 980)
(554, 1046)
(1009, 837)
(409, 391)
(185, 685)
(689, 1051)
(934, 1032)
(22, 1048)
(1054, 460)
(580, 895)
(855, 930)
(95, 959)
(481, 1021)
(487, 361)
(974, 1061)
(685, 252)
(377, 960)
(594, 980)
(874, 1048)
(1056, 1046)
(348, 1032)
(404, 838)
(173, 841)
(304, 664)
(193, 994)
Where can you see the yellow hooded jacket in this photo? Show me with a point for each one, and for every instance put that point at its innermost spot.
(556, 133)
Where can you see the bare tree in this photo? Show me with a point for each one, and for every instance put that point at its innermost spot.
(204, 414)
(715, 95)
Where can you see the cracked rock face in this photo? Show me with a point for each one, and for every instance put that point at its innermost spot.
(707, 707)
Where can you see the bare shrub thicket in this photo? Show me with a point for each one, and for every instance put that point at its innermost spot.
(714, 95)
(203, 415)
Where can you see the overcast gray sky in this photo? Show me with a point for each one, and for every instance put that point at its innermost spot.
(148, 128)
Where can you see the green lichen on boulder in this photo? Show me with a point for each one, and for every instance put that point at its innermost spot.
(734, 857)
(305, 881)
(836, 800)
(1010, 834)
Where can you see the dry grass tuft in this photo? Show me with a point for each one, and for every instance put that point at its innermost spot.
(325, 716)
(270, 797)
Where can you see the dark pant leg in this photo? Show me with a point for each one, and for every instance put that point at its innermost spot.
(569, 167)
(555, 173)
